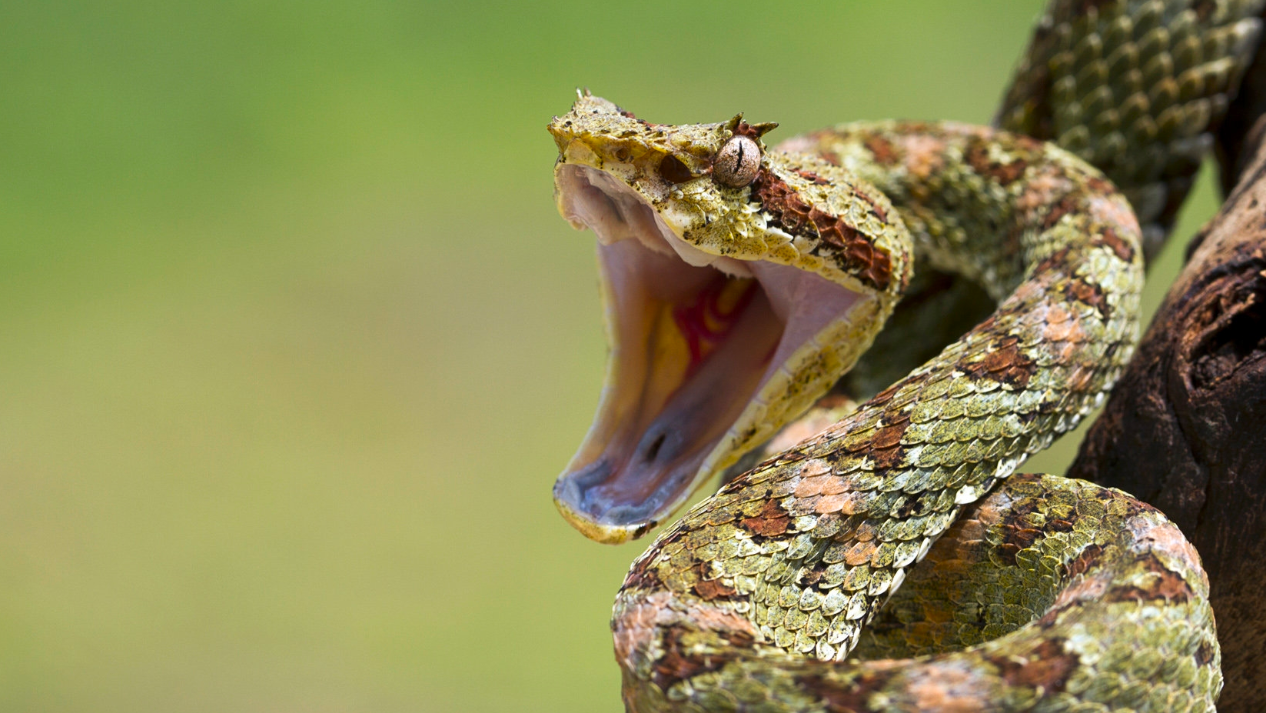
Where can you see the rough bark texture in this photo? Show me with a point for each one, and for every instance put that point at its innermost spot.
(1185, 429)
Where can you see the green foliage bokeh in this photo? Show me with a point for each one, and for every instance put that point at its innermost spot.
(293, 342)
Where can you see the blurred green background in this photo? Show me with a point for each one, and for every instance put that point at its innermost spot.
(293, 343)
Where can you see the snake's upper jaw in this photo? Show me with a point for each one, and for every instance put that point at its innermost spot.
(709, 355)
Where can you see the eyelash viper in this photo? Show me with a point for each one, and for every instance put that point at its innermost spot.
(1033, 592)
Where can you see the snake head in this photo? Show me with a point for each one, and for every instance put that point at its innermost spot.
(739, 284)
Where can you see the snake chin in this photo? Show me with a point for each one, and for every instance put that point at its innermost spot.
(702, 349)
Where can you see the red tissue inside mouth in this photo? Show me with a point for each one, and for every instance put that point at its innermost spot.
(706, 321)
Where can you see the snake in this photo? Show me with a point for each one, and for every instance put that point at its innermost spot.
(894, 560)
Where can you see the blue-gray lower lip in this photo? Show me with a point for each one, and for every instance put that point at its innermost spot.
(591, 491)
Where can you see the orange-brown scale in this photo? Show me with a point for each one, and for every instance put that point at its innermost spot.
(771, 521)
(847, 698)
(1163, 584)
(882, 150)
(709, 588)
(1089, 294)
(977, 156)
(678, 664)
(1047, 667)
(1005, 362)
(885, 448)
(1109, 238)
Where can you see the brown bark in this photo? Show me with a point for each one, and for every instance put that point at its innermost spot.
(1185, 428)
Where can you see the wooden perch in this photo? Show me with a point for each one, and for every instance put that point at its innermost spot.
(1185, 428)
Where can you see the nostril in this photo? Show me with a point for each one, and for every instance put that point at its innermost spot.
(653, 450)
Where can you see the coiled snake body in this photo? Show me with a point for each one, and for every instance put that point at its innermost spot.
(740, 282)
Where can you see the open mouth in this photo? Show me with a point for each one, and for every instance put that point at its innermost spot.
(701, 347)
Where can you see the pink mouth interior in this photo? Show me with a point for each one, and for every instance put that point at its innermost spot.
(644, 452)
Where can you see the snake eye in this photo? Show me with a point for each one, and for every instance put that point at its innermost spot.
(737, 162)
(672, 169)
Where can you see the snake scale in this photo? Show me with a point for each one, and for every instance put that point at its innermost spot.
(892, 562)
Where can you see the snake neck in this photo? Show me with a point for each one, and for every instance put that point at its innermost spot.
(981, 203)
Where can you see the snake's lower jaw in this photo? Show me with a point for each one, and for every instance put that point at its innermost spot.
(703, 356)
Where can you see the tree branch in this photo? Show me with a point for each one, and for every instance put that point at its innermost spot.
(1185, 428)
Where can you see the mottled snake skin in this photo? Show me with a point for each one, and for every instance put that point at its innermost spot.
(1134, 88)
(893, 562)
